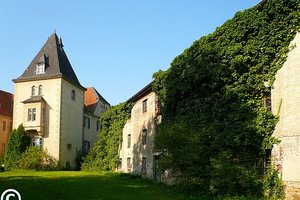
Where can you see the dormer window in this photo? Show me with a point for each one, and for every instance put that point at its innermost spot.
(40, 68)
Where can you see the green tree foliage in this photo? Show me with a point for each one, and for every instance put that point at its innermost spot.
(35, 158)
(17, 144)
(212, 100)
(105, 153)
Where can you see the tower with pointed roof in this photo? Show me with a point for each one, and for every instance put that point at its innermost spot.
(49, 102)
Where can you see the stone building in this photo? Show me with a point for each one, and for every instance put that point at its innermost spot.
(94, 106)
(6, 114)
(49, 102)
(285, 96)
(138, 154)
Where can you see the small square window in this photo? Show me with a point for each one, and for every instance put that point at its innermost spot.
(69, 146)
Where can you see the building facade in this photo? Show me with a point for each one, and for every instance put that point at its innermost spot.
(6, 115)
(49, 102)
(138, 154)
(285, 96)
(94, 106)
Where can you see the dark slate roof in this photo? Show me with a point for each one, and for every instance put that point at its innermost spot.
(140, 94)
(56, 62)
(6, 101)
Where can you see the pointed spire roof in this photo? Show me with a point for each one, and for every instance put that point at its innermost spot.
(54, 63)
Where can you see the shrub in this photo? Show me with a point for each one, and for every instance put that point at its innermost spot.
(273, 185)
(35, 158)
(17, 144)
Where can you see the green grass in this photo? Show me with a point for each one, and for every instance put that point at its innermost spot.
(83, 185)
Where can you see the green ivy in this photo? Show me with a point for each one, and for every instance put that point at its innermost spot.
(217, 86)
(105, 153)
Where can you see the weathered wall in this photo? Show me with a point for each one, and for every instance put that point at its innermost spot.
(135, 125)
(286, 102)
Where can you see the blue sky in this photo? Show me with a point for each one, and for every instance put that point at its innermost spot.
(112, 45)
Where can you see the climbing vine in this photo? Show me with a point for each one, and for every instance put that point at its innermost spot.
(212, 100)
(105, 153)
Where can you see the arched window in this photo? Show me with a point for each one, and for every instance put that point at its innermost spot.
(40, 90)
(33, 91)
(73, 95)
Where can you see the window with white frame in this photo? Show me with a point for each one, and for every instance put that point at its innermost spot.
(31, 115)
(37, 141)
(40, 68)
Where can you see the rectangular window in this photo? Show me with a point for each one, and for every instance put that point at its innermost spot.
(4, 126)
(33, 114)
(87, 122)
(98, 125)
(128, 140)
(267, 103)
(144, 136)
(120, 164)
(29, 115)
(144, 106)
(143, 167)
(128, 164)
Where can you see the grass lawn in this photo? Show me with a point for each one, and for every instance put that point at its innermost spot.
(82, 185)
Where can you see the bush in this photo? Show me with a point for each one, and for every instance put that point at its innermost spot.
(273, 185)
(35, 158)
(17, 144)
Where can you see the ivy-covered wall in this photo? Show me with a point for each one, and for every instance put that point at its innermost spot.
(104, 156)
(215, 128)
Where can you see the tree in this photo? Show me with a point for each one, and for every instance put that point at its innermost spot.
(17, 144)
